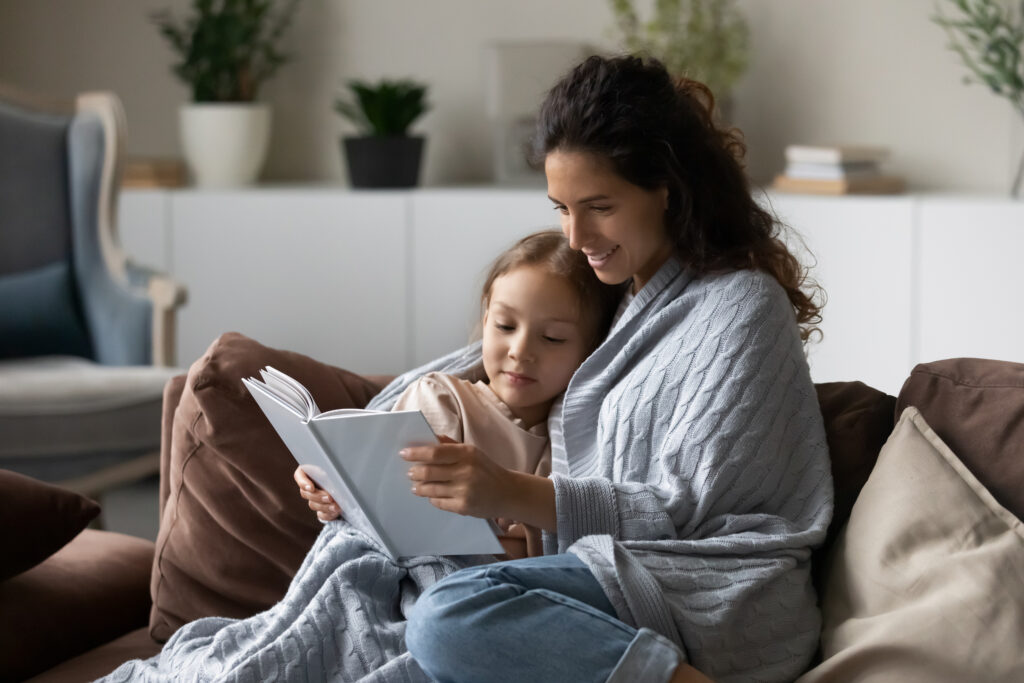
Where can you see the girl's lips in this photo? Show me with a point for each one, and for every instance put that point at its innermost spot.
(598, 260)
(517, 379)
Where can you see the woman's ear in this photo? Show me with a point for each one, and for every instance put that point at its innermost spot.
(664, 197)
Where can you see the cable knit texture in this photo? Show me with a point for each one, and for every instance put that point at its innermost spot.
(342, 619)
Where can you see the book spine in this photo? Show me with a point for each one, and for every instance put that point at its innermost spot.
(365, 513)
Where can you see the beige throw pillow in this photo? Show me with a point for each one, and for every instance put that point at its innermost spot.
(926, 583)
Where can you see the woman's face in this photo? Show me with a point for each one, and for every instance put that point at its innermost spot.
(618, 225)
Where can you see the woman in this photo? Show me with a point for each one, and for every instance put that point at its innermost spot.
(691, 476)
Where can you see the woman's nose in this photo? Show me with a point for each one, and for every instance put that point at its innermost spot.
(573, 228)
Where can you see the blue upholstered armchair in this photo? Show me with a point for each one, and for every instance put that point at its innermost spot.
(86, 338)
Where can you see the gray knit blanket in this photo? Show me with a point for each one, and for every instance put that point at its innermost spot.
(342, 619)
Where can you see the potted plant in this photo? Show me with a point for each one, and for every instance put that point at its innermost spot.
(706, 40)
(227, 50)
(383, 154)
(989, 37)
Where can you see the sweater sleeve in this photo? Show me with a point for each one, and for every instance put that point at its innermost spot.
(728, 419)
(438, 405)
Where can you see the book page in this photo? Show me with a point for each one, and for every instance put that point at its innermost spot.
(297, 387)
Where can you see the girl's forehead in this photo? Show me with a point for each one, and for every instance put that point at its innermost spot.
(534, 290)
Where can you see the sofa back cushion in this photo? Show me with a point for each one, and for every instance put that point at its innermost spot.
(858, 420)
(233, 528)
(976, 406)
(925, 581)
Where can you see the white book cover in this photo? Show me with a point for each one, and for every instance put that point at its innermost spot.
(834, 154)
(353, 455)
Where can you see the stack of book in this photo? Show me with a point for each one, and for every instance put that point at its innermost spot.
(143, 173)
(841, 169)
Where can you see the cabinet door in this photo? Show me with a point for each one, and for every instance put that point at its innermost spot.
(142, 226)
(456, 235)
(971, 279)
(860, 252)
(314, 271)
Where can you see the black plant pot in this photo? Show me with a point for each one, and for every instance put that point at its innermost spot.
(383, 162)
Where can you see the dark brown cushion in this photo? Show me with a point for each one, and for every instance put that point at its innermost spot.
(91, 591)
(234, 529)
(976, 406)
(858, 420)
(37, 520)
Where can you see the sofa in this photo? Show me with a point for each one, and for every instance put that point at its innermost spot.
(921, 577)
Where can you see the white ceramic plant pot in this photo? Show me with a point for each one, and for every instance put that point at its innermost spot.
(225, 143)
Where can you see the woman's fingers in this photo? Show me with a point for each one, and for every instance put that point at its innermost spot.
(445, 454)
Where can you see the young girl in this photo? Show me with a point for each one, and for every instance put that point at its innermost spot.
(544, 312)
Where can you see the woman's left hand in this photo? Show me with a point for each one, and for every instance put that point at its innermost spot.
(459, 478)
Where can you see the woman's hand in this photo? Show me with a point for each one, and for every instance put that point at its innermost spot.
(513, 540)
(460, 478)
(320, 501)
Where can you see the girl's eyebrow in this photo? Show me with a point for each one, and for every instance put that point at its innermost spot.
(512, 309)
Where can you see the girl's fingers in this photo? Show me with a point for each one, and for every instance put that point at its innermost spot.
(431, 490)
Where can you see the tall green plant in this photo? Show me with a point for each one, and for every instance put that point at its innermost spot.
(989, 37)
(707, 40)
(228, 48)
(383, 109)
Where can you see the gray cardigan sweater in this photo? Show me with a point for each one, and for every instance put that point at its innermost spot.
(695, 474)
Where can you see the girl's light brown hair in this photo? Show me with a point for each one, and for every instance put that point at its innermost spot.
(550, 250)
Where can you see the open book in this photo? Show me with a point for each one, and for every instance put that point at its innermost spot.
(353, 455)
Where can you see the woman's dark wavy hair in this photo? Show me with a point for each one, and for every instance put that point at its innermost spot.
(659, 131)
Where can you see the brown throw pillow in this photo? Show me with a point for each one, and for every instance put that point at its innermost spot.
(976, 406)
(37, 520)
(234, 529)
(92, 590)
(858, 420)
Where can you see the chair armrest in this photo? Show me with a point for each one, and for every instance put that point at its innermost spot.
(166, 295)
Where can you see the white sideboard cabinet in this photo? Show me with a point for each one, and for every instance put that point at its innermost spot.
(383, 281)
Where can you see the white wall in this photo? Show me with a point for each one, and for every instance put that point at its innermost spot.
(864, 71)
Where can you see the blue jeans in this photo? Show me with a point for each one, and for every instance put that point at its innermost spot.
(538, 619)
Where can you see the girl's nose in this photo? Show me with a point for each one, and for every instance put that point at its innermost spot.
(519, 349)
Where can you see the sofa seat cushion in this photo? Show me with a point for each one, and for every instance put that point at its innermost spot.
(233, 528)
(95, 589)
(58, 408)
(925, 583)
(37, 520)
(101, 661)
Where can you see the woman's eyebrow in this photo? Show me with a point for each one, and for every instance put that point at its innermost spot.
(592, 198)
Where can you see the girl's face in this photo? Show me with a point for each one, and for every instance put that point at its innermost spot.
(533, 341)
(618, 225)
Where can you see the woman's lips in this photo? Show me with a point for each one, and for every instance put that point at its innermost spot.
(516, 379)
(596, 260)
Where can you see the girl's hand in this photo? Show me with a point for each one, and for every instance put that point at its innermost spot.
(459, 478)
(320, 501)
(513, 540)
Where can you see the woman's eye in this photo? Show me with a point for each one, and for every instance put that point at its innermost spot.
(562, 210)
(601, 209)
(554, 340)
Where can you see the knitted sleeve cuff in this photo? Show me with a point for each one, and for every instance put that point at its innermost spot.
(584, 507)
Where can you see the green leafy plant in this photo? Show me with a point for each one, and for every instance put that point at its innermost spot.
(228, 48)
(706, 40)
(989, 37)
(383, 109)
